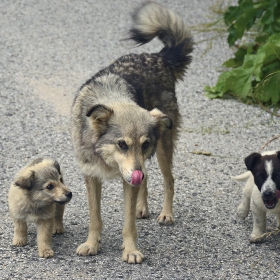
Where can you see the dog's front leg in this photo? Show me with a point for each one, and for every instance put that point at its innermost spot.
(91, 246)
(259, 228)
(20, 233)
(58, 219)
(130, 251)
(44, 238)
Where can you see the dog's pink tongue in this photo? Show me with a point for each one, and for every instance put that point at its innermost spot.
(136, 178)
(277, 194)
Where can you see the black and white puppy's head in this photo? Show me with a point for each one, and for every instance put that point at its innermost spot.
(265, 168)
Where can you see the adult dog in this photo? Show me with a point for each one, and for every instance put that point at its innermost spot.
(126, 113)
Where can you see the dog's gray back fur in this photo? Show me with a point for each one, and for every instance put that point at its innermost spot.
(146, 80)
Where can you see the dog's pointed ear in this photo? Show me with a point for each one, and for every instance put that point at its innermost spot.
(57, 166)
(99, 115)
(251, 160)
(163, 120)
(25, 179)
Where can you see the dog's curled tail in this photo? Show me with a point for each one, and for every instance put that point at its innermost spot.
(152, 20)
(242, 177)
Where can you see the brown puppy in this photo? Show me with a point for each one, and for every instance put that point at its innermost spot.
(38, 195)
(124, 115)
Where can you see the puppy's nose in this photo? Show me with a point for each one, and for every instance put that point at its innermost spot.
(69, 195)
(268, 194)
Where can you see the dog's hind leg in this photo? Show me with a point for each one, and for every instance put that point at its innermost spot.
(142, 202)
(164, 155)
(91, 246)
(130, 251)
(20, 233)
(58, 219)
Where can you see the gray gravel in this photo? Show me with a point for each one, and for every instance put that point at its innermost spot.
(48, 49)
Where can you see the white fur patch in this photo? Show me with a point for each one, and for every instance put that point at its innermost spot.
(269, 184)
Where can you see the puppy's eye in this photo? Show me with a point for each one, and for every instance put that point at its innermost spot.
(50, 187)
(123, 146)
(260, 176)
(146, 145)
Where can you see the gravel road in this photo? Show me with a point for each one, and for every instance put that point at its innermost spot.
(48, 50)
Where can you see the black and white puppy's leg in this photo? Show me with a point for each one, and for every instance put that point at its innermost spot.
(91, 246)
(278, 219)
(142, 202)
(259, 227)
(130, 251)
(244, 206)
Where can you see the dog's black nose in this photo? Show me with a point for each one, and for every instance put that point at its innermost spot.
(268, 194)
(69, 194)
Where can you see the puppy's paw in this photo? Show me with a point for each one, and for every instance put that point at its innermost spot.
(142, 213)
(165, 219)
(46, 253)
(242, 212)
(88, 249)
(19, 241)
(132, 256)
(259, 239)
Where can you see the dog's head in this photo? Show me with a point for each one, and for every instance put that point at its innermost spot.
(43, 182)
(126, 136)
(266, 171)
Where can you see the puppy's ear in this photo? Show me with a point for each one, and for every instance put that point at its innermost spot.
(57, 166)
(25, 179)
(251, 160)
(99, 115)
(163, 121)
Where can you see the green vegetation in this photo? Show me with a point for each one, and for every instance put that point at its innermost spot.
(254, 72)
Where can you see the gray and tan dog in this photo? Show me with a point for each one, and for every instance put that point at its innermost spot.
(261, 191)
(125, 114)
(38, 195)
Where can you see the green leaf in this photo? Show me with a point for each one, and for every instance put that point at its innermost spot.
(268, 91)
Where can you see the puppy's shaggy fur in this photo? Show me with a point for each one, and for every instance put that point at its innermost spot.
(125, 114)
(261, 191)
(38, 195)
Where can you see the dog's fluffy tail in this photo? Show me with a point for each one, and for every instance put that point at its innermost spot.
(243, 177)
(152, 20)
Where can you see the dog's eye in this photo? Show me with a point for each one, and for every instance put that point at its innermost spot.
(146, 145)
(260, 177)
(50, 187)
(123, 145)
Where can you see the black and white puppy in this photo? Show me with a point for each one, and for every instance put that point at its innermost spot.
(262, 190)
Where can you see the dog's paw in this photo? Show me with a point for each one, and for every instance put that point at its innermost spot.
(46, 253)
(259, 239)
(58, 230)
(242, 212)
(20, 242)
(132, 256)
(165, 219)
(88, 249)
(142, 213)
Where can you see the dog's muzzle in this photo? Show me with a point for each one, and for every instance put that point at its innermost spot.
(270, 198)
